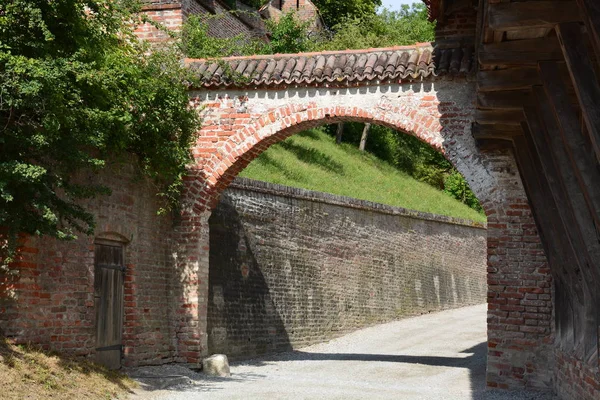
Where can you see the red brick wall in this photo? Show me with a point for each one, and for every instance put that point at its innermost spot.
(520, 319)
(47, 297)
(169, 15)
(575, 379)
(240, 125)
(458, 26)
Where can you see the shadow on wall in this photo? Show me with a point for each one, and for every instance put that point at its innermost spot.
(242, 318)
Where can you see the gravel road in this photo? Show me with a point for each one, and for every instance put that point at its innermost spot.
(433, 356)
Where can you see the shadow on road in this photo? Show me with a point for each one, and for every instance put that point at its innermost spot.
(477, 357)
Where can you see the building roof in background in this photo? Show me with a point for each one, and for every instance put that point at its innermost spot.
(335, 67)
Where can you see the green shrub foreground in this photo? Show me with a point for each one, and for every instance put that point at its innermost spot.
(76, 90)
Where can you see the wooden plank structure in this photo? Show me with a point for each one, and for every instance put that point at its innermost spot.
(538, 87)
(108, 296)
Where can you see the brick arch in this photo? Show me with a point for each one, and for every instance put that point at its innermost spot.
(239, 124)
(235, 153)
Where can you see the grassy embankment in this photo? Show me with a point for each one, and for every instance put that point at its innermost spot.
(312, 160)
(29, 373)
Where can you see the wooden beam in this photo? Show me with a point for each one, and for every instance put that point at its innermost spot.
(507, 79)
(581, 156)
(494, 144)
(505, 100)
(567, 194)
(531, 14)
(585, 80)
(505, 132)
(505, 117)
(558, 250)
(590, 11)
(567, 203)
(520, 52)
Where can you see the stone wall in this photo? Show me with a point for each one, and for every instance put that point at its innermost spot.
(290, 267)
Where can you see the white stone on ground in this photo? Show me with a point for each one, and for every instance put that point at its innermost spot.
(216, 365)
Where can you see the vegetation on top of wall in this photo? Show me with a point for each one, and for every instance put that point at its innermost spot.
(291, 35)
(287, 35)
(76, 90)
(387, 28)
(336, 11)
(311, 160)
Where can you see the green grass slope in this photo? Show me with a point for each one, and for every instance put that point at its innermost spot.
(311, 160)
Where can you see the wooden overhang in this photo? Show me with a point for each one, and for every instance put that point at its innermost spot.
(538, 91)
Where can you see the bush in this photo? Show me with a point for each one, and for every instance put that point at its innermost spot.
(76, 90)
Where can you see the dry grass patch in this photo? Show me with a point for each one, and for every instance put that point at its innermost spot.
(26, 372)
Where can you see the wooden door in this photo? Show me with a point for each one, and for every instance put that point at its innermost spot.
(108, 294)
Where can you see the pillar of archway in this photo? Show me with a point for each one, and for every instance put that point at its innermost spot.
(240, 124)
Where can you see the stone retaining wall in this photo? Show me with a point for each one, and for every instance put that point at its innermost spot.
(291, 267)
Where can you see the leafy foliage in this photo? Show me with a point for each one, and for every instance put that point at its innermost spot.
(77, 90)
(336, 11)
(413, 157)
(196, 41)
(388, 28)
(456, 186)
(288, 35)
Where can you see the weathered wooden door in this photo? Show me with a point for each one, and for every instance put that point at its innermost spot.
(108, 293)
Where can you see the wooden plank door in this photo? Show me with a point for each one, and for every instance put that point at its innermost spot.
(108, 296)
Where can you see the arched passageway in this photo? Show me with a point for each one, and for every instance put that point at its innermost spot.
(402, 88)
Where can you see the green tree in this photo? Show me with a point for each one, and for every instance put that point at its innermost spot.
(288, 35)
(254, 3)
(77, 90)
(456, 186)
(388, 28)
(195, 41)
(336, 11)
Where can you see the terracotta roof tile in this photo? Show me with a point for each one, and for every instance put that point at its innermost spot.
(342, 67)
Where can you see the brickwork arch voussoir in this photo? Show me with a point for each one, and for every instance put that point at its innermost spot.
(240, 148)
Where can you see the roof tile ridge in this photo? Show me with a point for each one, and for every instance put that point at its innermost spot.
(415, 46)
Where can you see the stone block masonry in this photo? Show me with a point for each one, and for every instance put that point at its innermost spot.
(291, 267)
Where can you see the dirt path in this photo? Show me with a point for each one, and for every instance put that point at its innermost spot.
(434, 356)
